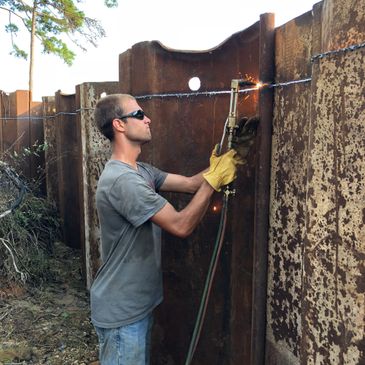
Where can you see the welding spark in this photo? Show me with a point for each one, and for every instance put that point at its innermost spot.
(257, 84)
(260, 85)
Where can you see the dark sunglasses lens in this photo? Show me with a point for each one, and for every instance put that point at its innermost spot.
(139, 114)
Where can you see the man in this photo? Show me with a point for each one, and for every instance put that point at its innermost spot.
(128, 285)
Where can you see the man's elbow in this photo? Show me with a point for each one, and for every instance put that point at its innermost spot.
(184, 234)
(182, 231)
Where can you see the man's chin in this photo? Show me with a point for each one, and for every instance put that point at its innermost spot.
(146, 141)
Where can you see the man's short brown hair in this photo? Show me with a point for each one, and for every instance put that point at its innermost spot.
(107, 109)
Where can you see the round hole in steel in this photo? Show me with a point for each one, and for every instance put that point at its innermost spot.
(194, 83)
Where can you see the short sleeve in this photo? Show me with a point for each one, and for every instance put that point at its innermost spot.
(159, 177)
(134, 199)
(156, 175)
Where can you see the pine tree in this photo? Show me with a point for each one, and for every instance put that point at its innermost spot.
(50, 21)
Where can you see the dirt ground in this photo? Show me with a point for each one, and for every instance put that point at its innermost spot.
(49, 324)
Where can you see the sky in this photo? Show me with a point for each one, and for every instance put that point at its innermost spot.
(183, 25)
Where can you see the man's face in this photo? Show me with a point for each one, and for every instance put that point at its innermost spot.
(136, 130)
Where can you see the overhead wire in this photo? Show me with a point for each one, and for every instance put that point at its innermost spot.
(210, 93)
(164, 95)
(214, 92)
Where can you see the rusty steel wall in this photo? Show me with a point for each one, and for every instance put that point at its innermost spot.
(21, 128)
(94, 151)
(49, 132)
(4, 112)
(334, 266)
(36, 142)
(184, 130)
(68, 167)
(262, 189)
(288, 179)
(316, 291)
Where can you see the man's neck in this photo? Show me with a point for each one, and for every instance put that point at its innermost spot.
(126, 154)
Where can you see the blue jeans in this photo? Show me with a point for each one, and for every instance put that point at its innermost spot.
(126, 345)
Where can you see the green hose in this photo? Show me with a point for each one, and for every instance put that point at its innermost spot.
(208, 281)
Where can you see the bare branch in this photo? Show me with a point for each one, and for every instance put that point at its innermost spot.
(23, 275)
(12, 12)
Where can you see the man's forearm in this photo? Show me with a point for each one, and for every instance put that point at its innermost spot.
(183, 184)
(182, 223)
(197, 180)
(193, 213)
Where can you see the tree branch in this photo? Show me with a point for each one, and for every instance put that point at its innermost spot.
(12, 12)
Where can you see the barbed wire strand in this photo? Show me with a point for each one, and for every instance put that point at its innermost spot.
(337, 51)
(164, 95)
(206, 93)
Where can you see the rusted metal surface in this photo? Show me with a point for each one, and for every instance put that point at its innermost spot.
(20, 102)
(4, 112)
(317, 244)
(288, 178)
(287, 224)
(342, 24)
(184, 132)
(49, 132)
(94, 151)
(334, 291)
(334, 270)
(15, 132)
(36, 141)
(68, 168)
(21, 127)
(262, 190)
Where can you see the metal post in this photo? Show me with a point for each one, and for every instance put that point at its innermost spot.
(262, 191)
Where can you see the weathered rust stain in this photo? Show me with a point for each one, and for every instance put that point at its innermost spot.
(343, 24)
(287, 221)
(288, 198)
(49, 132)
(317, 228)
(95, 151)
(334, 243)
(293, 49)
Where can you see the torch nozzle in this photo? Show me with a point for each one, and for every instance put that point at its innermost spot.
(246, 83)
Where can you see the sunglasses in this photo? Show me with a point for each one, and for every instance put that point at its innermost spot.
(138, 114)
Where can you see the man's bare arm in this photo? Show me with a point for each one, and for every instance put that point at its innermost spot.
(182, 184)
(182, 223)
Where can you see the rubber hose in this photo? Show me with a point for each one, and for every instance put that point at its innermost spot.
(208, 281)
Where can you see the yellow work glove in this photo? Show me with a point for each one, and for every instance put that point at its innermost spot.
(244, 137)
(222, 169)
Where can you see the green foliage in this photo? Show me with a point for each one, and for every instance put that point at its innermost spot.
(28, 234)
(18, 159)
(56, 46)
(11, 28)
(54, 20)
(19, 53)
(111, 3)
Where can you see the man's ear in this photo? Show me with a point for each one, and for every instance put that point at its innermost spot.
(118, 125)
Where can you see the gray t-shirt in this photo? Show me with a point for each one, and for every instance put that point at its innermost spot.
(128, 285)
